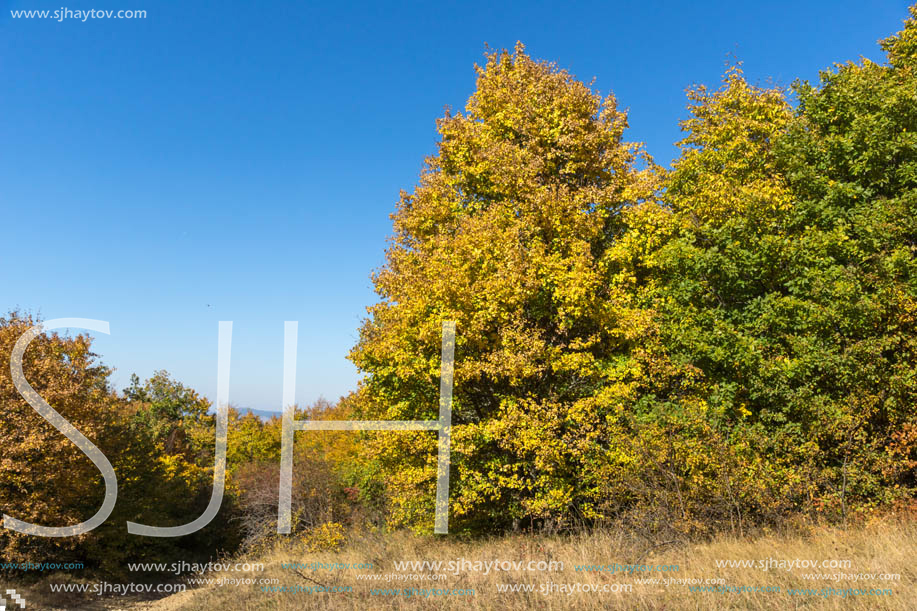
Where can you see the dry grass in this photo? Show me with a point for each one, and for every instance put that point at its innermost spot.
(886, 546)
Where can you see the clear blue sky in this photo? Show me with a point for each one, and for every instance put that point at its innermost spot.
(247, 155)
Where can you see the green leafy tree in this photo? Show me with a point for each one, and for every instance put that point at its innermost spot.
(851, 161)
(174, 415)
(786, 278)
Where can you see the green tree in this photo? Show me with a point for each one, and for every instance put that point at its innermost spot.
(174, 415)
(787, 279)
(851, 161)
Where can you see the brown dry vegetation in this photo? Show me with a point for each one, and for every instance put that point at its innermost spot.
(881, 545)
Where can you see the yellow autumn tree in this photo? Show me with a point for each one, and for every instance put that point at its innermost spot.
(44, 478)
(509, 234)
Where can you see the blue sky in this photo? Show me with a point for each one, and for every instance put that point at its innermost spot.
(247, 155)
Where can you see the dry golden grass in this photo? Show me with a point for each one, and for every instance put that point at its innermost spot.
(884, 546)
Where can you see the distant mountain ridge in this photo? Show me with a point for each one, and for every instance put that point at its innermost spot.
(263, 414)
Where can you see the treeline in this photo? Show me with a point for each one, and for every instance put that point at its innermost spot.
(714, 345)
(717, 345)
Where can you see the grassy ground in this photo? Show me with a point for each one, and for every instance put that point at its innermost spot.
(884, 546)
